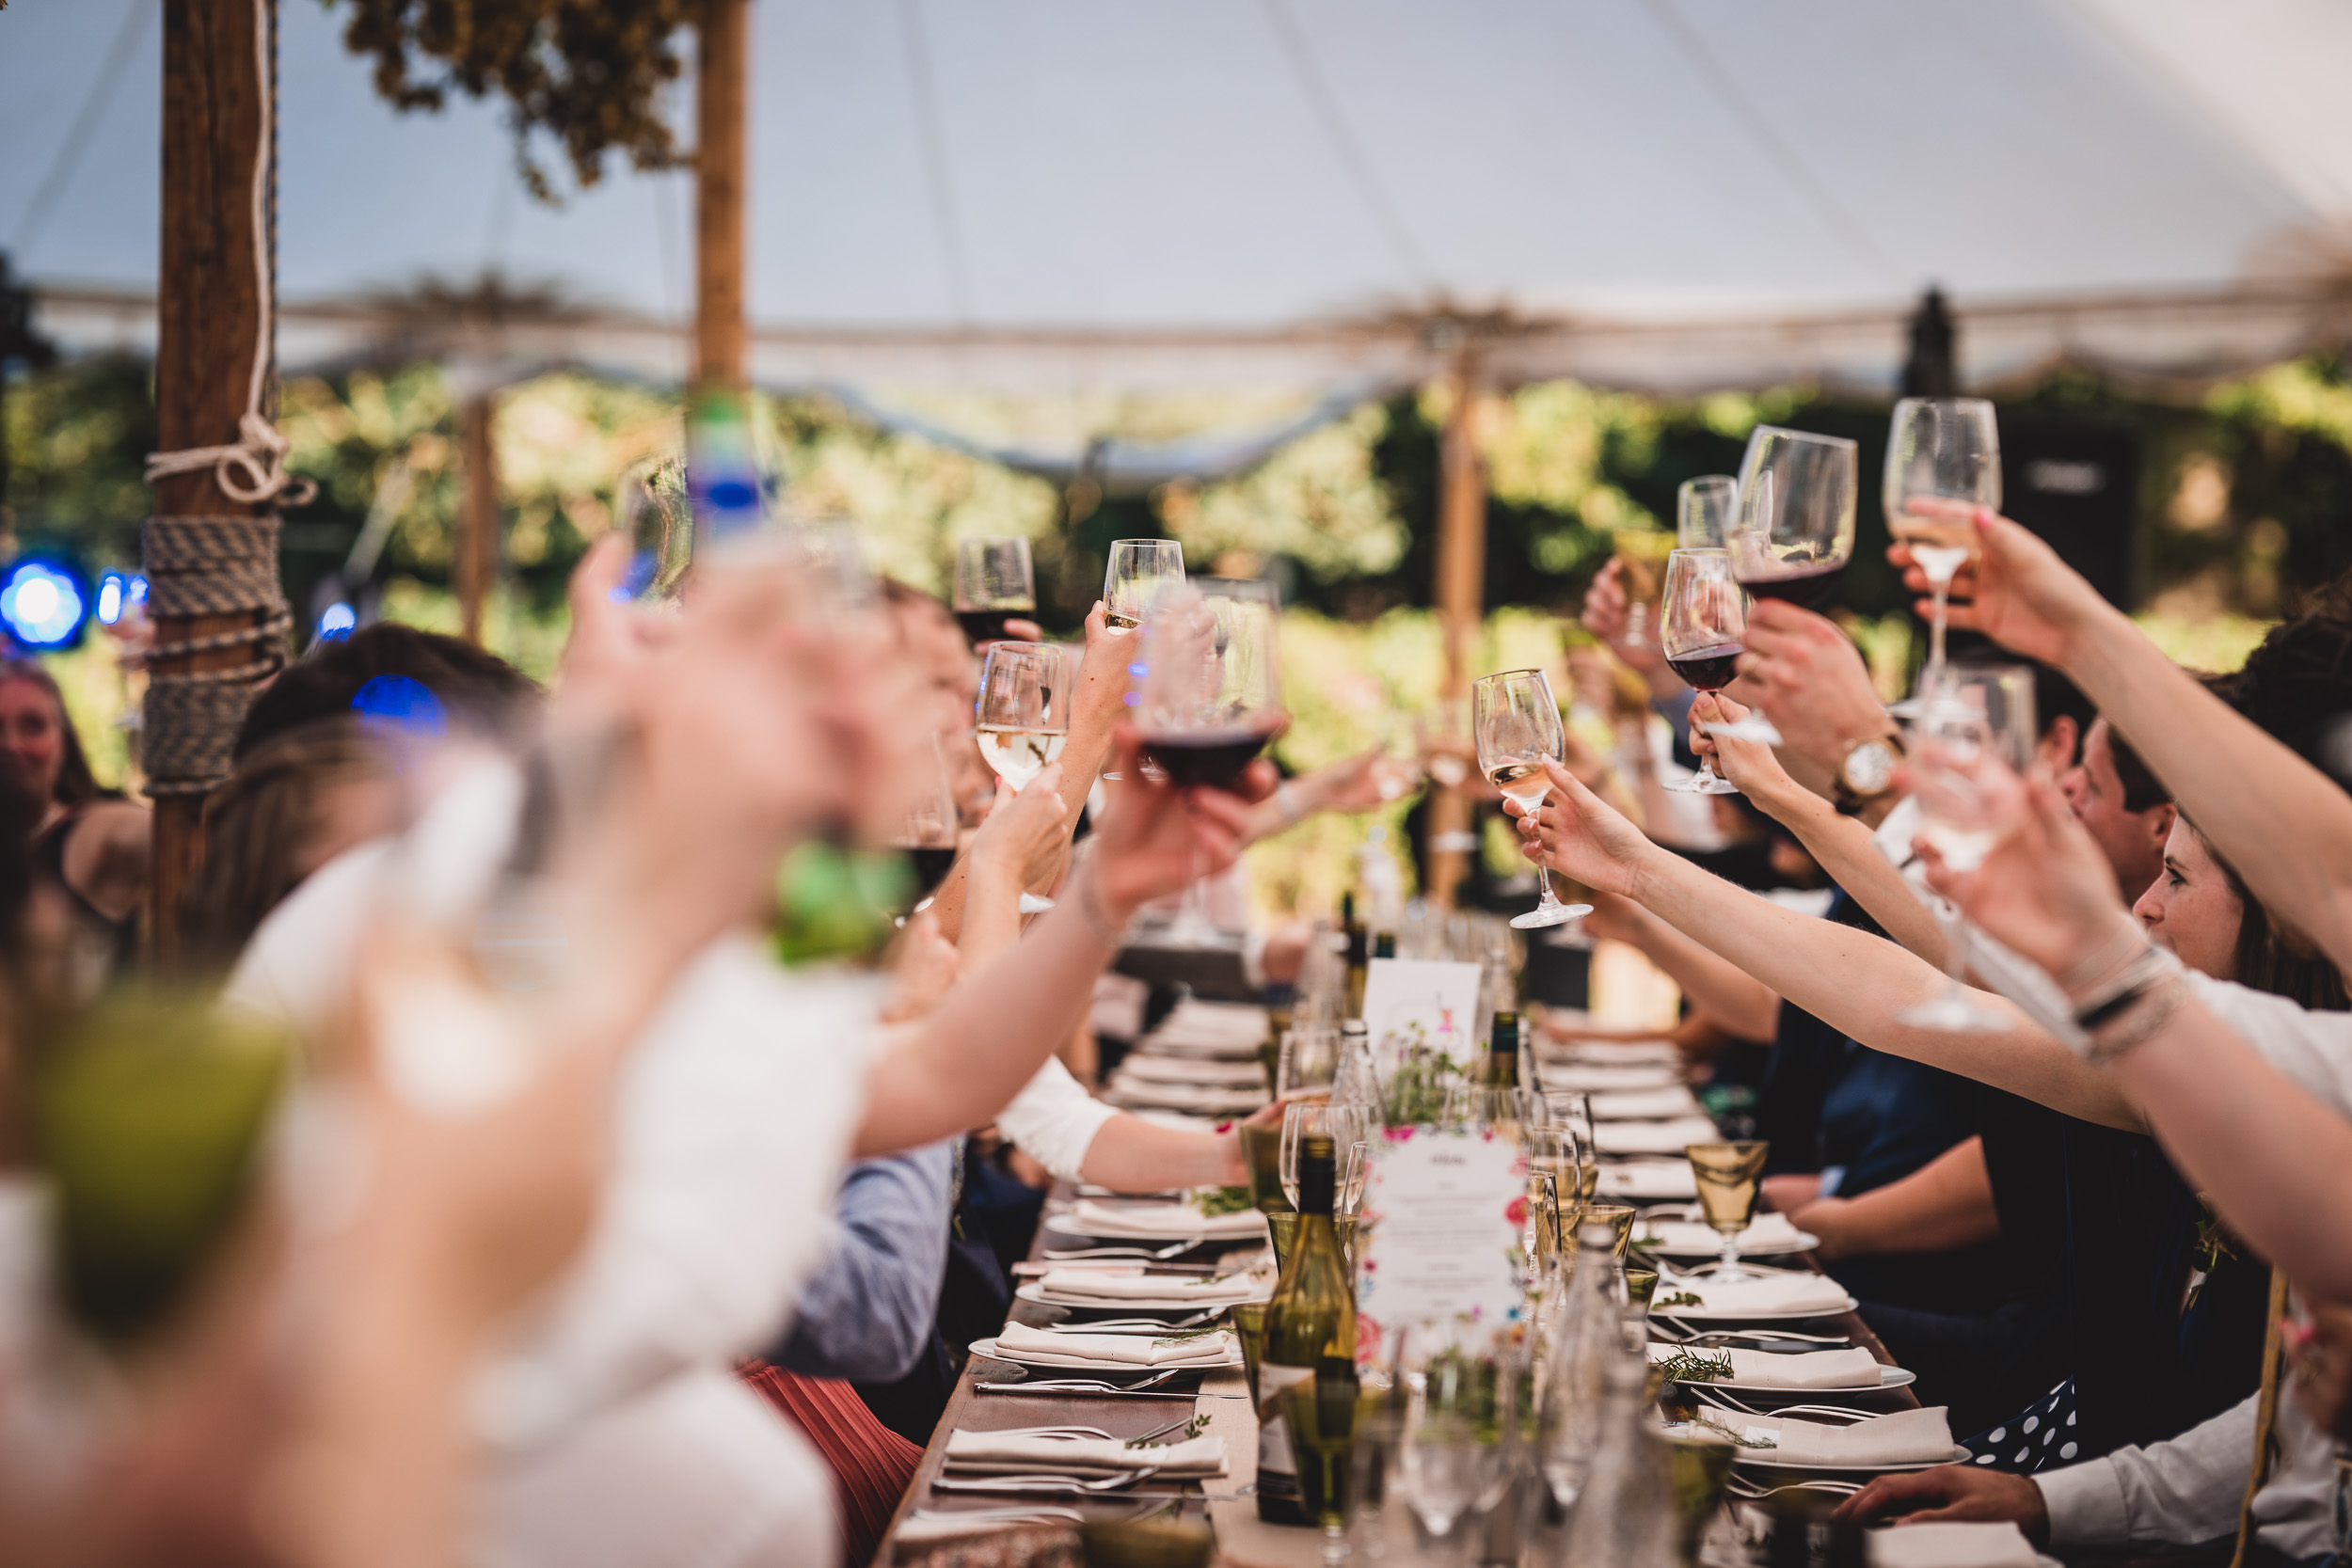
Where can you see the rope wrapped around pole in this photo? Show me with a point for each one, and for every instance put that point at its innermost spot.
(211, 565)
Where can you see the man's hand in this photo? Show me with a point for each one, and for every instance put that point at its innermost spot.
(2016, 591)
(2320, 1357)
(1809, 679)
(1607, 616)
(1952, 1492)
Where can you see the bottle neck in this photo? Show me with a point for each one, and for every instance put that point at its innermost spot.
(1317, 1188)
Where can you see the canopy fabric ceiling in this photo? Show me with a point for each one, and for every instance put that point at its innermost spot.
(1056, 195)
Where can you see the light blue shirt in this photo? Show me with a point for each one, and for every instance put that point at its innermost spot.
(867, 1314)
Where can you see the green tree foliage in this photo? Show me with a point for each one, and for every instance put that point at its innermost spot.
(588, 74)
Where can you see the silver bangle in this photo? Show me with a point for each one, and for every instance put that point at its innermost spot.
(2102, 971)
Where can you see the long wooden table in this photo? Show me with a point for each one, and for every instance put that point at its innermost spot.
(1223, 1398)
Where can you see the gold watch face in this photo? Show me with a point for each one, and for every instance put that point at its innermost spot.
(1870, 767)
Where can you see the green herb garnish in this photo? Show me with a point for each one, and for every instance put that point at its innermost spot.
(1189, 1334)
(1740, 1438)
(1680, 1298)
(1213, 1201)
(1696, 1366)
(1185, 1433)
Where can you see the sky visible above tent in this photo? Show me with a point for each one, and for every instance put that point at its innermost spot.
(1039, 170)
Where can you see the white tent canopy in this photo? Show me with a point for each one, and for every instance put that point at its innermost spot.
(1060, 195)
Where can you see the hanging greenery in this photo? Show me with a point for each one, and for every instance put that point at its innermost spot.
(589, 73)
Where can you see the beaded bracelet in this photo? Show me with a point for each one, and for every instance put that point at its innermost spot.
(2132, 1019)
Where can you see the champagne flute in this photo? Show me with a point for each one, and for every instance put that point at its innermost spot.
(1793, 531)
(1976, 721)
(1516, 721)
(1138, 572)
(1642, 564)
(1949, 450)
(1022, 718)
(993, 580)
(1702, 633)
(1704, 510)
(1728, 1176)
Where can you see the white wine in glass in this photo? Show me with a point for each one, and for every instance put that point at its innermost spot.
(1728, 1176)
(1944, 453)
(1023, 714)
(1138, 571)
(1517, 721)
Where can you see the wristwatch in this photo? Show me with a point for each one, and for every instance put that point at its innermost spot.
(1867, 770)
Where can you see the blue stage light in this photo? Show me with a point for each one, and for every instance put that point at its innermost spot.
(338, 620)
(42, 604)
(119, 593)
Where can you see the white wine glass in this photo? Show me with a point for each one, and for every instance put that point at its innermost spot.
(1348, 1127)
(1640, 570)
(1308, 1063)
(1792, 530)
(1973, 727)
(1940, 449)
(994, 580)
(657, 516)
(1462, 1422)
(1704, 510)
(1022, 718)
(1138, 572)
(1517, 721)
(1703, 632)
(1729, 1177)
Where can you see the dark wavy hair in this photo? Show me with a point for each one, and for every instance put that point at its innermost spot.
(76, 784)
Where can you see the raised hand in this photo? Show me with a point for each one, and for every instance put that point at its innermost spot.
(1156, 838)
(1027, 836)
(1749, 763)
(1606, 614)
(1811, 682)
(1952, 1492)
(1575, 833)
(2016, 591)
(2045, 890)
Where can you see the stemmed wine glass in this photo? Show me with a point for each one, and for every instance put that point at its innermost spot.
(1940, 449)
(1729, 1177)
(1211, 696)
(993, 580)
(1517, 724)
(658, 517)
(1462, 1423)
(1022, 719)
(1704, 510)
(1640, 563)
(1308, 1063)
(1975, 721)
(1138, 571)
(1793, 533)
(1703, 631)
(928, 828)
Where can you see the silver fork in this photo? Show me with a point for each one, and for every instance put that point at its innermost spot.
(1085, 1384)
(1136, 1325)
(1722, 1401)
(1048, 1484)
(1750, 1492)
(1064, 1254)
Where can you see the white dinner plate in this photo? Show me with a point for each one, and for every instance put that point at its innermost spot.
(1035, 1291)
(1086, 1363)
(1889, 1377)
(1066, 1225)
(1699, 1314)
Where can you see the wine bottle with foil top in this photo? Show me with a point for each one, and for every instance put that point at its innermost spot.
(1311, 1318)
(1358, 953)
(1503, 1051)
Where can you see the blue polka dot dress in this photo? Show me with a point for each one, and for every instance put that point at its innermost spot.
(2041, 1438)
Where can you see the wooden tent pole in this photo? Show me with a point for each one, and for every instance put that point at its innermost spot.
(722, 92)
(1461, 572)
(478, 511)
(208, 310)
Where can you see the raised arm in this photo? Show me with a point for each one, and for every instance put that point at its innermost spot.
(1735, 1001)
(1855, 982)
(2284, 825)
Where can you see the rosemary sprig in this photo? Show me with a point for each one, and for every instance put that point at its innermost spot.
(1185, 1433)
(1213, 1201)
(1678, 1298)
(1742, 1439)
(1190, 1334)
(1696, 1366)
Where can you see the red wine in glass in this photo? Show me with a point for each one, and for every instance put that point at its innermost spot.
(988, 625)
(1806, 588)
(1213, 759)
(1708, 669)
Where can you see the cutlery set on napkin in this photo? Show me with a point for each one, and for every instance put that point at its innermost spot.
(1770, 1232)
(1904, 1437)
(1053, 1347)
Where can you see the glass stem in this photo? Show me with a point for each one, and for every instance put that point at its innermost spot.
(1547, 900)
(1728, 1265)
(1935, 631)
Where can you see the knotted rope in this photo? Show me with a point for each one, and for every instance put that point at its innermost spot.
(207, 566)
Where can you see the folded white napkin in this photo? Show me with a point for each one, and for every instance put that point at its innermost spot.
(1775, 1292)
(1171, 1220)
(1653, 1104)
(1013, 1453)
(1648, 1179)
(1188, 1070)
(1973, 1544)
(1566, 1079)
(1082, 1285)
(1760, 1368)
(1654, 1137)
(1905, 1437)
(1615, 1054)
(1214, 1099)
(1766, 1231)
(1208, 1048)
(1127, 1349)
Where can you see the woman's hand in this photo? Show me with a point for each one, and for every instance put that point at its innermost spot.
(1811, 682)
(1026, 837)
(2045, 890)
(1576, 834)
(1608, 615)
(1102, 685)
(2016, 591)
(1749, 763)
(1157, 838)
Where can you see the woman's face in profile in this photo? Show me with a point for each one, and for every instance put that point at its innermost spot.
(32, 736)
(2192, 908)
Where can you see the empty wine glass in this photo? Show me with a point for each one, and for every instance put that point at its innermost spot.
(1703, 632)
(1348, 1127)
(658, 515)
(1461, 1422)
(1940, 449)
(1516, 721)
(1975, 725)
(994, 581)
(1704, 510)
(1138, 571)
(1310, 1060)
(1729, 1177)
(1793, 532)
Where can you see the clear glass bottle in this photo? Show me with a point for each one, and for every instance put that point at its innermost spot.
(1582, 1339)
(1625, 1513)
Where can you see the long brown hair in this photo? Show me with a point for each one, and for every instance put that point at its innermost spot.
(2272, 956)
(76, 784)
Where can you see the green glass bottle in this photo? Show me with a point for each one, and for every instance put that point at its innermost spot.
(1358, 953)
(1503, 1051)
(1310, 1319)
